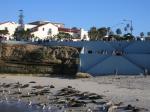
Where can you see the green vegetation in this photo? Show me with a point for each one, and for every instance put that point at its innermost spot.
(4, 32)
(107, 34)
(23, 34)
(64, 36)
(97, 33)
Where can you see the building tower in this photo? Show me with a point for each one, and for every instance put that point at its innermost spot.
(20, 21)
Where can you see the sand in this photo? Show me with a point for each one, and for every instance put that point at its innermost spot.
(134, 90)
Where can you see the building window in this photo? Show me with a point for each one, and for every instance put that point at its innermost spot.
(89, 52)
(43, 29)
(49, 31)
(6, 28)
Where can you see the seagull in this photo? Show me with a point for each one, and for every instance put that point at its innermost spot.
(44, 107)
(19, 89)
(30, 103)
(6, 98)
(49, 107)
(89, 110)
(28, 93)
(9, 92)
(19, 99)
(3, 91)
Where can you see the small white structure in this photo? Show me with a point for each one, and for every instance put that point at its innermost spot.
(45, 30)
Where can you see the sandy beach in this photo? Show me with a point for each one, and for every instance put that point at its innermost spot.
(121, 91)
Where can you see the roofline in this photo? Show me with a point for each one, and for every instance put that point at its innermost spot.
(48, 22)
(7, 22)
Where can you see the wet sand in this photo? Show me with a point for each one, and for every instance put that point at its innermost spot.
(78, 94)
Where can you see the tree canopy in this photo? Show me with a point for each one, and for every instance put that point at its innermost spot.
(105, 33)
(4, 32)
(97, 34)
(63, 35)
(23, 34)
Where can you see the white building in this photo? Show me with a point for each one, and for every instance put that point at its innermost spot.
(77, 34)
(45, 30)
(10, 26)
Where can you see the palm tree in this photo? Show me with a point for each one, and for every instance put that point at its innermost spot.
(142, 34)
(148, 34)
(125, 29)
(74, 28)
(23, 34)
(93, 33)
(118, 31)
(102, 32)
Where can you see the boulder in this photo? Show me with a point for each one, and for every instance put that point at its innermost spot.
(83, 75)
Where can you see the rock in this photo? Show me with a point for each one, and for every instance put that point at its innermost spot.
(83, 75)
(34, 53)
(52, 86)
(6, 85)
(15, 93)
(32, 82)
(38, 87)
(95, 97)
(77, 104)
(25, 86)
(129, 107)
(69, 86)
(112, 109)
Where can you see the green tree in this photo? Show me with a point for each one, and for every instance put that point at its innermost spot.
(142, 34)
(97, 34)
(126, 30)
(148, 34)
(23, 34)
(74, 28)
(102, 32)
(118, 31)
(93, 33)
(62, 35)
(4, 32)
(128, 36)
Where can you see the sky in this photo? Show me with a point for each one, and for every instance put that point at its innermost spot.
(81, 13)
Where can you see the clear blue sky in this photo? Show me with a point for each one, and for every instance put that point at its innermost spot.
(80, 13)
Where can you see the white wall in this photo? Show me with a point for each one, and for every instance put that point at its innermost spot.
(11, 26)
(43, 34)
(83, 34)
(134, 60)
